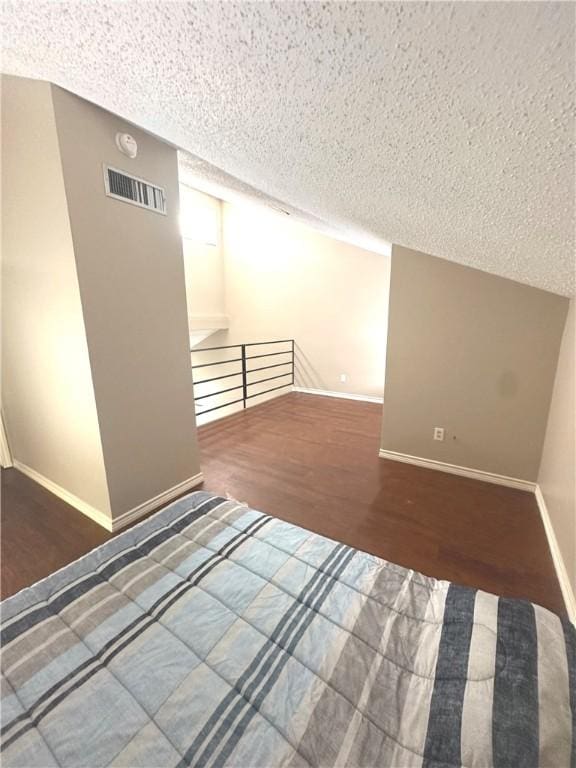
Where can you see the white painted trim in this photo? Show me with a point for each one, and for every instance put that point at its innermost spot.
(455, 469)
(343, 395)
(558, 560)
(121, 521)
(94, 514)
(5, 454)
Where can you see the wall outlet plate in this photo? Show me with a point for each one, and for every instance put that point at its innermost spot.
(438, 433)
(343, 378)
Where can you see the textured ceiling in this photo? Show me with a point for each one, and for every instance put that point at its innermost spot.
(442, 127)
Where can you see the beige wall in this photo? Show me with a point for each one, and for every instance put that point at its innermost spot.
(285, 280)
(48, 397)
(557, 475)
(131, 277)
(475, 354)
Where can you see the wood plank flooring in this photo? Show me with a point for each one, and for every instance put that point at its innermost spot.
(314, 461)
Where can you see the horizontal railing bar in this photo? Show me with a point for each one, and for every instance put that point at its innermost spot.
(220, 392)
(218, 362)
(245, 371)
(260, 343)
(236, 346)
(217, 378)
(261, 381)
(216, 407)
(272, 389)
(265, 367)
(270, 354)
(212, 349)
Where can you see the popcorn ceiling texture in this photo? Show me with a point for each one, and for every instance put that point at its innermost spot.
(443, 127)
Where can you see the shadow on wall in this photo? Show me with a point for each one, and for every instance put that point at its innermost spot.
(305, 375)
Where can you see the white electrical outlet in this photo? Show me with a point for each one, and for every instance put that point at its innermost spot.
(438, 433)
(343, 378)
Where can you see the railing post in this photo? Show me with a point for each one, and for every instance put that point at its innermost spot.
(244, 377)
(292, 362)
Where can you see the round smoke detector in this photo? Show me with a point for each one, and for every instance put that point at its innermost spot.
(127, 144)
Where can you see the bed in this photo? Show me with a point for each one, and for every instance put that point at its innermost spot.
(212, 634)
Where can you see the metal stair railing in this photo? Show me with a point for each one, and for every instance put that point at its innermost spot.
(245, 371)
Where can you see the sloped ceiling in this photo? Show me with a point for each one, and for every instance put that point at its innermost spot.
(443, 127)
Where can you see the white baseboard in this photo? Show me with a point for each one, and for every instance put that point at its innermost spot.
(344, 395)
(5, 455)
(82, 506)
(559, 565)
(121, 521)
(455, 469)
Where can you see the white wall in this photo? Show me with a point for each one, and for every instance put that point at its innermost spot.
(278, 279)
(48, 396)
(285, 280)
(557, 475)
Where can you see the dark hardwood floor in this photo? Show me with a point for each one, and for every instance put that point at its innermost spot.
(314, 461)
(39, 533)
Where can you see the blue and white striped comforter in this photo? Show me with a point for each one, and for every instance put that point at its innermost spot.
(214, 635)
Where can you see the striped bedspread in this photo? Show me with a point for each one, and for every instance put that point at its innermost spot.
(212, 635)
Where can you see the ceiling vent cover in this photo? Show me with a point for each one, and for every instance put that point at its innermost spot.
(134, 190)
